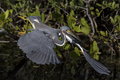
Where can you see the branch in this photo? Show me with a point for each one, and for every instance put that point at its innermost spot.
(87, 72)
(87, 13)
(2, 9)
(91, 21)
(7, 41)
(78, 7)
(61, 9)
(3, 31)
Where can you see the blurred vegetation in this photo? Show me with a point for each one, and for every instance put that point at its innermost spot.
(95, 22)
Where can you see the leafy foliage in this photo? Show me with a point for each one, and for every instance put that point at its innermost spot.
(104, 44)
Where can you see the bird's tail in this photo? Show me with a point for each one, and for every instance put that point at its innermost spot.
(100, 68)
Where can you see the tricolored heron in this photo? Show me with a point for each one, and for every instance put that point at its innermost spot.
(38, 44)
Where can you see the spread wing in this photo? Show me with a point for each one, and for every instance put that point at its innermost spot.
(38, 47)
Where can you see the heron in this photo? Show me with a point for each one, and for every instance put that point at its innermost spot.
(39, 43)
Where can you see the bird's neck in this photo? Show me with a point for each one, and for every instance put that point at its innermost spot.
(61, 43)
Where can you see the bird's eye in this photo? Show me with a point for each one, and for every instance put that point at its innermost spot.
(67, 30)
(59, 34)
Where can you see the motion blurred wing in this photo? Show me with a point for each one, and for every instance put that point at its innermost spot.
(38, 47)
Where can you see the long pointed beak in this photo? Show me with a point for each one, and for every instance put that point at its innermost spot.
(70, 33)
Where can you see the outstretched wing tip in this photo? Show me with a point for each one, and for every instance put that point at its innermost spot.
(43, 63)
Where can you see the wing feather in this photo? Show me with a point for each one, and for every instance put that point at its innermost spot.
(38, 47)
(100, 68)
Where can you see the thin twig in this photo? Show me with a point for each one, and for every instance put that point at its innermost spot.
(87, 72)
(107, 29)
(90, 38)
(114, 28)
(47, 19)
(61, 9)
(91, 21)
(78, 7)
(110, 47)
(7, 41)
(2, 9)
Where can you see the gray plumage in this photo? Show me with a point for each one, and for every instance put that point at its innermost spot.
(38, 44)
(39, 48)
(100, 68)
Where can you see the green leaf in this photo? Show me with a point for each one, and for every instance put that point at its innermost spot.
(77, 51)
(59, 55)
(106, 33)
(17, 28)
(84, 22)
(118, 27)
(97, 12)
(72, 70)
(29, 14)
(98, 4)
(94, 50)
(72, 13)
(92, 12)
(10, 20)
(117, 5)
(77, 28)
(27, 10)
(118, 17)
(42, 17)
(6, 14)
(20, 4)
(115, 18)
(36, 13)
(72, 3)
(96, 56)
(109, 4)
(102, 33)
(37, 7)
(67, 47)
(69, 22)
(2, 16)
(112, 20)
(91, 8)
(113, 5)
(73, 56)
(95, 47)
(85, 30)
(11, 11)
(81, 2)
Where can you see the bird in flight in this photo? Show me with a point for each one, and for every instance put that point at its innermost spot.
(38, 44)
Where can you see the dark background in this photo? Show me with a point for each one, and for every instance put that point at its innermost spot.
(104, 15)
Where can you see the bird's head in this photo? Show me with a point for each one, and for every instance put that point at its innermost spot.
(35, 19)
(69, 35)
